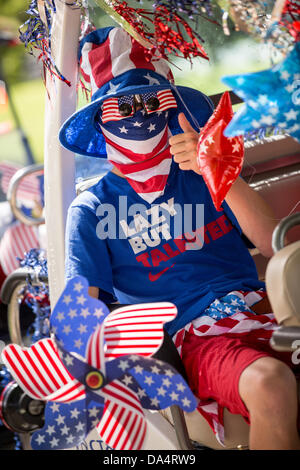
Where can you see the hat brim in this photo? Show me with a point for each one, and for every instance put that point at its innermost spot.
(80, 135)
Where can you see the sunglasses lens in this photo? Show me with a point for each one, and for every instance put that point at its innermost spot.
(152, 104)
(125, 109)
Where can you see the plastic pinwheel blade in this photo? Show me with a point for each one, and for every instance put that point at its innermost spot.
(135, 382)
(123, 425)
(136, 328)
(272, 98)
(90, 370)
(75, 316)
(66, 425)
(157, 384)
(220, 159)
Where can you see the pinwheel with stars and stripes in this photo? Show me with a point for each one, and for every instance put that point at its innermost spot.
(271, 98)
(96, 370)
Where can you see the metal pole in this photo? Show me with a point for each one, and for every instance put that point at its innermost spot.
(281, 230)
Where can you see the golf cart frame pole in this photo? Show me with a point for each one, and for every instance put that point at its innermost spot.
(59, 163)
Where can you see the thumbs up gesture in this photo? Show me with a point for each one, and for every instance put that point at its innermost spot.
(184, 146)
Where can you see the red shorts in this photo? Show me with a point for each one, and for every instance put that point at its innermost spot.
(214, 365)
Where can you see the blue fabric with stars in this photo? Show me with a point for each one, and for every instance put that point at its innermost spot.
(226, 306)
(272, 98)
(66, 425)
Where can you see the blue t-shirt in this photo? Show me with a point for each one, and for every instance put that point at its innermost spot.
(179, 249)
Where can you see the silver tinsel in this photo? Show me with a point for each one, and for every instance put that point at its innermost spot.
(255, 18)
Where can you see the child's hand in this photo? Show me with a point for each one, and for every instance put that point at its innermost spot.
(184, 146)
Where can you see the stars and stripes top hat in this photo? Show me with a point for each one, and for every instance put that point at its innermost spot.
(116, 66)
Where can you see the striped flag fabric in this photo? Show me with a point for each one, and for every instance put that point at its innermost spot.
(29, 188)
(112, 61)
(99, 366)
(17, 240)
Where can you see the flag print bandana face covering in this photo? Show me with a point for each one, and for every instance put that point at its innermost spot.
(138, 146)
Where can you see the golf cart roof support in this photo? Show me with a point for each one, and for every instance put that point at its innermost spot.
(59, 162)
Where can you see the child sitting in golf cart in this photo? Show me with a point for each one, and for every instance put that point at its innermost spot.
(148, 231)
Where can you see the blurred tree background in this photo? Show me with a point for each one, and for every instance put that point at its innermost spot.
(22, 74)
(12, 15)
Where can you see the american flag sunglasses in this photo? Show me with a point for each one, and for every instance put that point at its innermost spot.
(114, 109)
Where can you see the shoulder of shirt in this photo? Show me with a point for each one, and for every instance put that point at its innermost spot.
(90, 198)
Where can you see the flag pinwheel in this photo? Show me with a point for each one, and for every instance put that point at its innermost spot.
(96, 371)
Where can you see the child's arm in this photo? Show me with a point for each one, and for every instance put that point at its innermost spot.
(255, 217)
